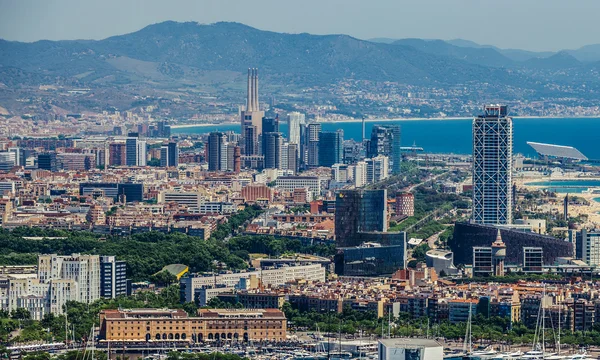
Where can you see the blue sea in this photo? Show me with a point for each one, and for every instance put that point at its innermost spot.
(454, 136)
(568, 186)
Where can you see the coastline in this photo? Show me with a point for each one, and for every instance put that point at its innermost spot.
(183, 126)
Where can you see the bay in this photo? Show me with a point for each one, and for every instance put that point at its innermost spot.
(454, 136)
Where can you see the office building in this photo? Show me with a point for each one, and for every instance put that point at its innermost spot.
(492, 166)
(311, 145)
(467, 235)
(331, 147)
(7, 186)
(377, 169)
(47, 161)
(340, 173)
(129, 192)
(163, 129)
(113, 277)
(182, 198)
(131, 151)
(533, 260)
(251, 117)
(588, 247)
(239, 325)
(359, 174)
(358, 211)
(482, 261)
(272, 143)
(405, 204)
(289, 157)
(169, 155)
(385, 140)
(75, 161)
(18, 156)
(295, 121)
(372, 258)
(217, 151)
(409, 349)
(290, 183)
(142, 150)
(117, 154)
(270, 125)
(7, 160)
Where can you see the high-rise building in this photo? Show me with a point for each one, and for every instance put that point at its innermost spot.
(251, 116)
(47, 161)
(84, 269)
(141, 153)
(113, 277)
(360, 174)
(359, 211)
(217, 150)
(118, 154)
(492, 166)
(270, 125)
(131, 151)
(272, 143)
(587, 247)
(405, 204)
(295, 121)
(482, 261)
(289, 157)
(311, 144)
(169, 155)
(18, 156)
(385, 140)
(7, 160)
(377, 168)
(331, 147)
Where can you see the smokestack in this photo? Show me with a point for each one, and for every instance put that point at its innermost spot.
(256, 105)
(249, 100)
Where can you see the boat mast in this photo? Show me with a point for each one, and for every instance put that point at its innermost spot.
(543, 321)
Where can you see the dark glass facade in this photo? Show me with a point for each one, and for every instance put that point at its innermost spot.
(331, 148)
(369, 261)
(113, 277)
(359, 211)
(132, 192)
(385, 140)
(47, 161)
(466, 236)
(270, 125)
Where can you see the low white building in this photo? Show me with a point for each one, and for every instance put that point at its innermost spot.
(405, 349)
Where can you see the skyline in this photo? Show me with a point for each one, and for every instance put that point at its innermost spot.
(556, 26)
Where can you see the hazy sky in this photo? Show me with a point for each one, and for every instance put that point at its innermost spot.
(525, 24)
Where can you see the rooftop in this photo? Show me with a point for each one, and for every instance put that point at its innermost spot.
(412, 343)
(558, 151)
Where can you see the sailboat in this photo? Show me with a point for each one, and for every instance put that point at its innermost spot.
(538, 351)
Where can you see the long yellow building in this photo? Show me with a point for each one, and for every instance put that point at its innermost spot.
(152, 325)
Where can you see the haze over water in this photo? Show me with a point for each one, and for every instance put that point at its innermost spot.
(454, 136)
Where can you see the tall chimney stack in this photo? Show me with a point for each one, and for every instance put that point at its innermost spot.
(256, 104)
(249, 94)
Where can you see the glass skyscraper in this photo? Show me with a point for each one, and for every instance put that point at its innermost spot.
(359, 211)
(492, 166)
(385, 140)
(331, 147)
